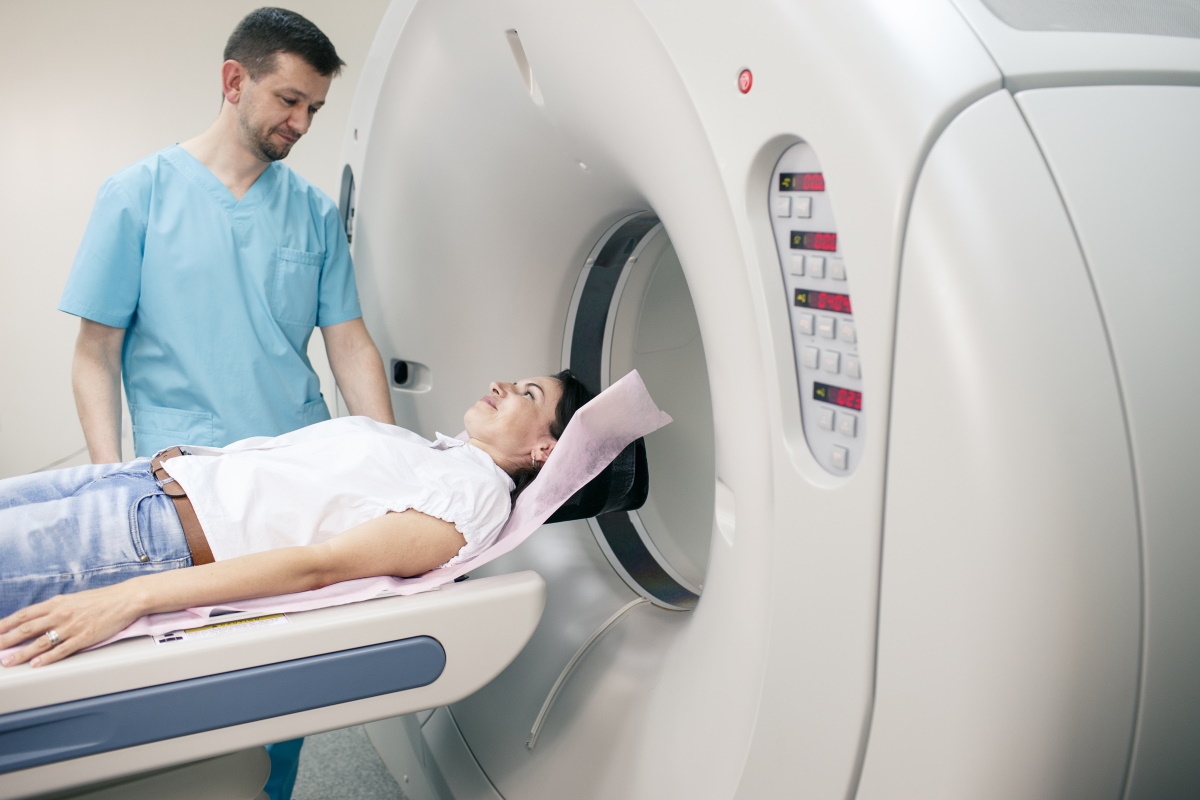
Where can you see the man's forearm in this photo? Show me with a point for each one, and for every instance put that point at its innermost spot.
(358, 369)
(366, 391)
(96, 381)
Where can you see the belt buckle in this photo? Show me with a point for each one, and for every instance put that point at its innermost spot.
(166, 482)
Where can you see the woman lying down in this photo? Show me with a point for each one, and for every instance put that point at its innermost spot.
(86, 551)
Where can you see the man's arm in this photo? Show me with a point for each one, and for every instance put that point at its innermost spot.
(96, 380)
(358, 370)
(404, 544)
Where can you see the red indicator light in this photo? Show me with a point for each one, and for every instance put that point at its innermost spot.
(824, 301)
(801, 182)
(811, 240)
(833, 302)
(848, 398)
(836, 395)
(745, 81)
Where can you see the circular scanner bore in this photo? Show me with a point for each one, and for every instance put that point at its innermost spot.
(632, 310)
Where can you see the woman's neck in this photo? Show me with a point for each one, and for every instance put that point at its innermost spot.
(505, 462)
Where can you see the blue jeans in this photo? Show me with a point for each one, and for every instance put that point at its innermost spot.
(74, 529)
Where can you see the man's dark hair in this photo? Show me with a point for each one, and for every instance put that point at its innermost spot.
(267, 31)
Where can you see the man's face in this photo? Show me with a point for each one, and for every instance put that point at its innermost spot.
(277, 109)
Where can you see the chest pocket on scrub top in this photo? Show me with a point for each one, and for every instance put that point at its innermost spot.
(294, 287)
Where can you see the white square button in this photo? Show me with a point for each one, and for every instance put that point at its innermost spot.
(837, 269)
(804, 207)
(783, 206)
(853, 367)
(827, 327)
(816, 266)
(806, 324)
(840, 457)
(797, 265)
(847, 424)
(810, 357)
(847, 331)
(831, 361)
(825, 418)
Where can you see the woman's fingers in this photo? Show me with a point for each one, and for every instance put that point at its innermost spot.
(60, 627)
(28, 625)
(53, 648)
(36, 650)
(20, 626)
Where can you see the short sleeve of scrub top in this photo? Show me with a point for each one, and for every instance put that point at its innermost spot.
(105, 280)
(338, 294)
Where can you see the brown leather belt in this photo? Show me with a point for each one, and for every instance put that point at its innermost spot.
(197, 542)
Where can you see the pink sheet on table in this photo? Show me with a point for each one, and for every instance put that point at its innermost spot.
(597, 433)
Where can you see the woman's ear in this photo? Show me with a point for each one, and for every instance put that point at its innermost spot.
(543, 449)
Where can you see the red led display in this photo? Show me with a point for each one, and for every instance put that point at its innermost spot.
(801, 182)
(823, 301)
(846, 398)
(811, 240)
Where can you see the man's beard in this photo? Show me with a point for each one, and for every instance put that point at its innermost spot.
(262, 146)
(269, 151)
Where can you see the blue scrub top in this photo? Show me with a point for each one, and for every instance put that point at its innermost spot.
(219, 297)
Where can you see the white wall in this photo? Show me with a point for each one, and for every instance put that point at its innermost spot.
(90, 87)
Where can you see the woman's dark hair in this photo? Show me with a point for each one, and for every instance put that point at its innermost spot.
(574, 396)
(267, 31)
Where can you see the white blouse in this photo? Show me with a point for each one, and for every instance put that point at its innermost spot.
(309, 485)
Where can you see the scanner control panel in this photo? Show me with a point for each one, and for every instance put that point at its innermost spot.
(817, 290)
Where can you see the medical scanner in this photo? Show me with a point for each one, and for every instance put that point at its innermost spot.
(915, 281)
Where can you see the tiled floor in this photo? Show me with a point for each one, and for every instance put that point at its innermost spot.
(342, 765)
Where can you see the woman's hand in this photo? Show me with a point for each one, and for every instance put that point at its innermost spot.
(67, 624)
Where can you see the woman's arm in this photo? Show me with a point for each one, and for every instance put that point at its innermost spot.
(403, 544)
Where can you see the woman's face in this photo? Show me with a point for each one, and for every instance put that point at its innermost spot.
(514, 419)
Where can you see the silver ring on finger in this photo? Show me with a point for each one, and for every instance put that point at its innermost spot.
(53, 636)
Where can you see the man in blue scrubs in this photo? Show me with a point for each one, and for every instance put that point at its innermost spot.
(205, 268)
